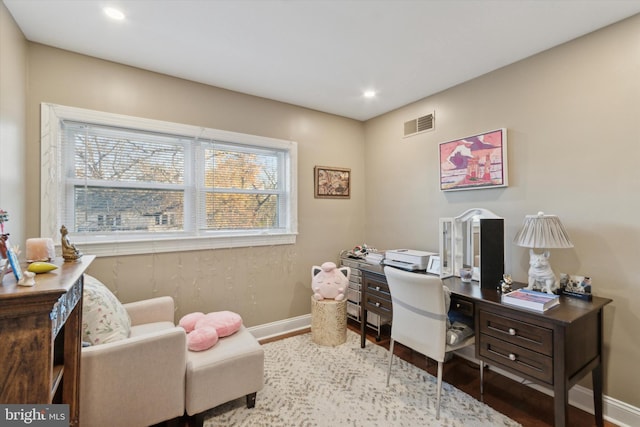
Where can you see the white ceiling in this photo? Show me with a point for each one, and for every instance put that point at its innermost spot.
(320, 54)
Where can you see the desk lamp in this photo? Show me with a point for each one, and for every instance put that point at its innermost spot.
(542, 232)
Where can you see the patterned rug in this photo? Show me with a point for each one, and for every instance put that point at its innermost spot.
(311, 385)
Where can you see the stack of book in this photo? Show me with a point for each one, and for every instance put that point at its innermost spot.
(374, 257)
(533, 300)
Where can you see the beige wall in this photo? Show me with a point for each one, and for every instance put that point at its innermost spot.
(573, 120)
(263, 284)
(13, 78)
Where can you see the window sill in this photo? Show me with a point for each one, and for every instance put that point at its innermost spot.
(162, 245)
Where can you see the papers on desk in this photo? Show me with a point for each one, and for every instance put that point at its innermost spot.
(533, 300)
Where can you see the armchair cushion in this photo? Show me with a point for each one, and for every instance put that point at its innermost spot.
(104, 318)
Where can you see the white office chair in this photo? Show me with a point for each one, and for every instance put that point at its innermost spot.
(420, 319)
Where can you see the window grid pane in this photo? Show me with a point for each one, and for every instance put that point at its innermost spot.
(131, 210)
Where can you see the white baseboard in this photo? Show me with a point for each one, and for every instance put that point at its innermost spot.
(281, 327)
(615, 411)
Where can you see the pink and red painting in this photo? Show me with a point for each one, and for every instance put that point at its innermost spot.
(474, 162)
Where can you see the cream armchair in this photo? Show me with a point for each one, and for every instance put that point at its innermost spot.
(139, 380)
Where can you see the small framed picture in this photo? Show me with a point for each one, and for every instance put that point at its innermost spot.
(433, 266)
(15, 265)
(332, 183)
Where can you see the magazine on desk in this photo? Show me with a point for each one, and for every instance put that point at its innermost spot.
(533, 300)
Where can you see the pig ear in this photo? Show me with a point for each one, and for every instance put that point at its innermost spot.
(315, 270)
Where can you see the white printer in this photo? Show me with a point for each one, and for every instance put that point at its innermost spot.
(407, 259)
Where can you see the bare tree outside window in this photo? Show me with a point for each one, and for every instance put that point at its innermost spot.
(125, 181)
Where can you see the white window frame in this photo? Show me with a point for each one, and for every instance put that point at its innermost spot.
(52, 188)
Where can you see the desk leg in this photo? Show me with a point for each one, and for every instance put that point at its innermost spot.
(560, 404)
(596, 376)
(363, 326)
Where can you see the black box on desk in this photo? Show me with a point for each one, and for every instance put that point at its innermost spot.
(491, 252)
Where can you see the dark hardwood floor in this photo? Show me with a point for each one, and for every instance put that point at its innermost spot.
(529, 407)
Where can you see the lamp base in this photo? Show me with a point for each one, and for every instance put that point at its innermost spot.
(541, 276)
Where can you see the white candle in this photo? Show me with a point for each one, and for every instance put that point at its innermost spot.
(40, 249)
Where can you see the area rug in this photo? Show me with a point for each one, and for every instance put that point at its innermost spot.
(311, 385)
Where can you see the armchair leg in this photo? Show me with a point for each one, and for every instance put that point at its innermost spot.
(251, 400)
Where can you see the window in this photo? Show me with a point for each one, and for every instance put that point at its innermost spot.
(125, 185)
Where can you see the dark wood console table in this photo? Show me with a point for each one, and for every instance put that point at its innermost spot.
(556, 348)
(41, 335)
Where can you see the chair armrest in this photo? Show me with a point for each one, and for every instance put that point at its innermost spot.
(160, 309)
(143, 376)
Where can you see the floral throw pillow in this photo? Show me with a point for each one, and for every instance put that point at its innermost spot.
(104, 318)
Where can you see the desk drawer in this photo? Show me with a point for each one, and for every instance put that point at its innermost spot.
(461, 306)
(517, 332)
(526, 362)
(379, 289)
(378, 305)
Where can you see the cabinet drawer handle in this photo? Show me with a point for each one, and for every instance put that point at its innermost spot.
(512, 331)
(512, 356)
(458, 305)
(377, 304)
(377, 288)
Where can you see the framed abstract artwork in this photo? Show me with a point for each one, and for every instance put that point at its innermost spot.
(332, 183)
(475, 162)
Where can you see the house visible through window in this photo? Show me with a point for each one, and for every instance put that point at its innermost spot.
(128, 179)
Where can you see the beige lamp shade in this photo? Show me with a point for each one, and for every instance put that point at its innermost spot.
(542, 232)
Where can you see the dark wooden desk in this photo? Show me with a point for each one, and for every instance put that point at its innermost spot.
(556, 348)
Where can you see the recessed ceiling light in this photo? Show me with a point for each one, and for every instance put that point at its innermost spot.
(114, 13)
(369, 93)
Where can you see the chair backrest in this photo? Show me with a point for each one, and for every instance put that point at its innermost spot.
(419, 312)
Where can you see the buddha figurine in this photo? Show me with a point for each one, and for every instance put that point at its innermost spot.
(69, 250)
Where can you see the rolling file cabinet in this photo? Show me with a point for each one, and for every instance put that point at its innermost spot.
(354, 294)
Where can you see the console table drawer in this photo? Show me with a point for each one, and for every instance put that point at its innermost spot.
(527, 362)
(519, 332)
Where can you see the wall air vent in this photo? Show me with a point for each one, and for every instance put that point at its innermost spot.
(421, 124)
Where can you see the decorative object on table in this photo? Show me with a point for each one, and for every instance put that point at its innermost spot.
(332, 183)
(474, 162)
(69, 250)
(329, 281)
(27, 279)
(505, 284)
(542, 232)
(12, 256)
(474, 239)
(466, 273)
(41, 267)
(40, 249)
(3, 268)
(533, 300)
(433, 266)
(576, 286)
(361, 251)
(4, 237)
